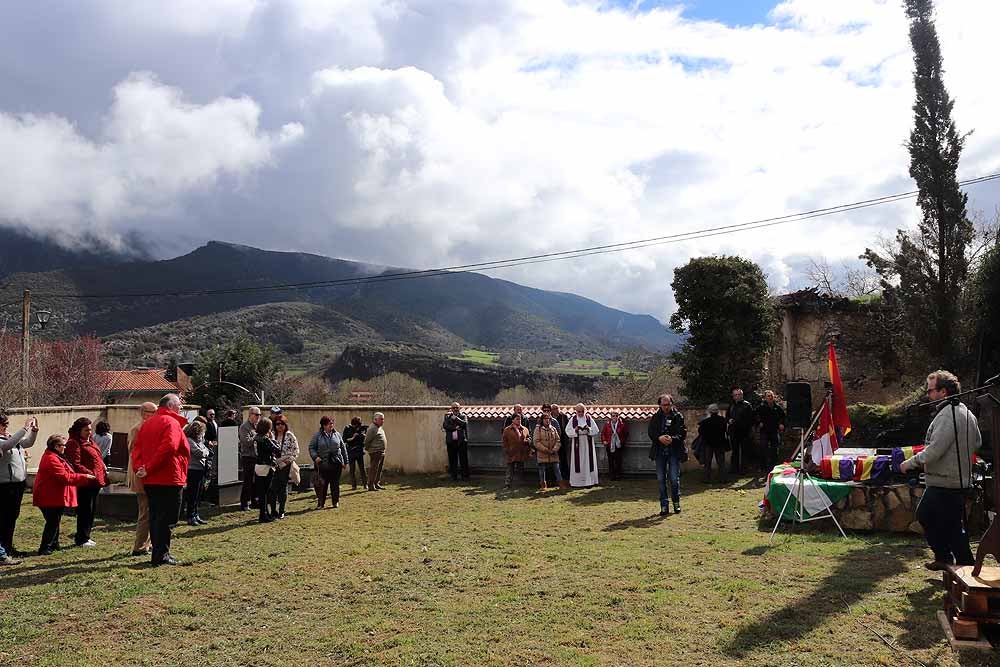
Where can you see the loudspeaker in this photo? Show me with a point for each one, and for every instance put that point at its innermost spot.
(798, 396)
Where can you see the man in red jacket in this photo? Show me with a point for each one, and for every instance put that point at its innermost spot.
(160, 459)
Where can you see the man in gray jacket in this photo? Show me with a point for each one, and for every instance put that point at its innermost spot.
(13, 472)
(947, 465)
(248, 458)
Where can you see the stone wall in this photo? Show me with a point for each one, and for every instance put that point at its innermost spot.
(416, 441)
(886, 508)
(486, 453)
(807, 322)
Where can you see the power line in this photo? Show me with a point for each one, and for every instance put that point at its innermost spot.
(534, 259)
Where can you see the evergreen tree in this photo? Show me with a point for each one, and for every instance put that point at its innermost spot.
(724, 307)
(924, 273)
(244, 362)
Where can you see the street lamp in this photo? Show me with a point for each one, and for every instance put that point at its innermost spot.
(43, 318)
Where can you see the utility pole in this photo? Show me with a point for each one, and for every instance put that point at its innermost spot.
(25, 343)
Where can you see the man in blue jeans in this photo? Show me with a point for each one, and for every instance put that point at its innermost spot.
(7, 560)
(666, 434)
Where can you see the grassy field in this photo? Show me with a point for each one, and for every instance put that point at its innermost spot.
(478, 357)
(435, 573)
(592, 367)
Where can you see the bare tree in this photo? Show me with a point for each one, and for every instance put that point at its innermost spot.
(849, 281)
(820, 274)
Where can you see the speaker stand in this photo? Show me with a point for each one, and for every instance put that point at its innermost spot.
(799, 485)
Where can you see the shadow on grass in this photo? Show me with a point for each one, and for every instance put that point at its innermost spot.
(641, 522)
(852, 577)
(40, 572)
(923, 604)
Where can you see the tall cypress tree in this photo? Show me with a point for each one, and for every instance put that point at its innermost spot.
(924, 275)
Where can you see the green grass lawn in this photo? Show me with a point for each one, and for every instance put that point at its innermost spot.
(434, 573)
(478, 357)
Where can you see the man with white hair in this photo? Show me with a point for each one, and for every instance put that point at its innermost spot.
(160, 458)
(375, 445)
(247, 436)
(582, 431)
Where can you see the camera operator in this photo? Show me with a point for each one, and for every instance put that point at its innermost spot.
(952, 439)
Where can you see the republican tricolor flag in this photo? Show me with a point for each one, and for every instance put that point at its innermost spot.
(834, 422)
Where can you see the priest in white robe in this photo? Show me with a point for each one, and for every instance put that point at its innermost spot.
(583, 432)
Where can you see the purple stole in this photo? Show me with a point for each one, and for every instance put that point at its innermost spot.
(576, 446)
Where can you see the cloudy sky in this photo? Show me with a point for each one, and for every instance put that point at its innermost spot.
(427, 133)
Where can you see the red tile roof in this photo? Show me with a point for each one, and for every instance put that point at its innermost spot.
(533, 411)
(140, 380)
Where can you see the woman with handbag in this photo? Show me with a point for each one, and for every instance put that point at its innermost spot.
(197, 470)
(267, 457)
(288, 448)
(85, 456)
(329, 454)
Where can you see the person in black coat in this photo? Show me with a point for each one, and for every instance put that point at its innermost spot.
(267, 458)
(354, 440)
(456, 433)
(666, 434)
(771, 420)
(740, 419)
(712, 431)
(211, 427)
(560, 420)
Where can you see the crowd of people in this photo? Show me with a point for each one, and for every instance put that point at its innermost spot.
(564, 446)
(169, 460)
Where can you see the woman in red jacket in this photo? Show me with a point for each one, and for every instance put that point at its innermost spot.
(614, 435)
(54, 490)
(85, 455)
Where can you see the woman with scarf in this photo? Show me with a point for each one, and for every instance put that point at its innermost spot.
(516, 443)
(288, 451)
(614, 435)
(197, 469)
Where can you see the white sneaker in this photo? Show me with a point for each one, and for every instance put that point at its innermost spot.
(89, 543)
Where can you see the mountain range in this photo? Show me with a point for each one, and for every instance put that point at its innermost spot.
(443, 313)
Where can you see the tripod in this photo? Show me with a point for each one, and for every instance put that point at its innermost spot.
(799, 486)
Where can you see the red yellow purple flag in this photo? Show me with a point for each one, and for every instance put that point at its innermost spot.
(841, 420)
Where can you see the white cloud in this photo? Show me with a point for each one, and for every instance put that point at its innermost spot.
(155, 148)
(463, 130)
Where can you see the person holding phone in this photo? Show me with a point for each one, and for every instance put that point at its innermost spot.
(13, 473)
